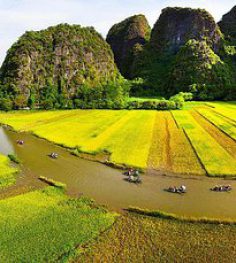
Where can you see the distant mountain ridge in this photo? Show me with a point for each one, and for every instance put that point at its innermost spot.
(188, 52)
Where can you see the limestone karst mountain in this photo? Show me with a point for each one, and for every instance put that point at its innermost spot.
(127, 39)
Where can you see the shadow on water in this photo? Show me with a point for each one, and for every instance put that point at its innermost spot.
(107, 186)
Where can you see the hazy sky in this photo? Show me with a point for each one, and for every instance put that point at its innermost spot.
(17, 16)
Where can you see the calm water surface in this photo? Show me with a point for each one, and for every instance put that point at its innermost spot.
(107, 186)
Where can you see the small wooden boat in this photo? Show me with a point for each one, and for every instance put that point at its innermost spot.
(221, 188)
(134, 179)
(177, 190)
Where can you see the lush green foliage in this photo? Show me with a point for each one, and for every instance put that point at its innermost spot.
(45, 226)
(175, 102)
(198, 69)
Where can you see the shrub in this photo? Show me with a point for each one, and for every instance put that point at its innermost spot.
(6, 104)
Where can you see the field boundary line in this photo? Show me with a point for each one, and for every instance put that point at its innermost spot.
(172, 216)
(176, 123)
(216, 126)
(194, 150)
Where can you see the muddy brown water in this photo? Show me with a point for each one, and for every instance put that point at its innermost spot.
(107, 186)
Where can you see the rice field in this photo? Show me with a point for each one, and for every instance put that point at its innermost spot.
(198, 140)
(224, 124)
(215, 159)
(170, 149)
(47, 226)
(226, 109)
(136, 238)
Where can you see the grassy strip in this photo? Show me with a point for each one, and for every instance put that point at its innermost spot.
(43, 226)
(14, 158)
(164, 215)
(52, 182)
(7, 173)
(184, 159)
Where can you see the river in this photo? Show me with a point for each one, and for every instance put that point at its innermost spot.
(107, 185)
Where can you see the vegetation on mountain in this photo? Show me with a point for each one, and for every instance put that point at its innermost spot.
(198, 69)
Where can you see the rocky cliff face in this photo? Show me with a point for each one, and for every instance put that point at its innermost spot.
(62, 57)
(127, 39)
(228, 24)
(176, 26)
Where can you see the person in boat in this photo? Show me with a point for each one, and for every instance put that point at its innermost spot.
(54, 155)
(183, 188)
(131, 178)
(172, 189)
(20, 142)
(137, 176)
(136, 173)
(129, 172)
(220, 188)
(226, 188)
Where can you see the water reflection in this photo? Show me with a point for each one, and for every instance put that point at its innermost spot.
(6, 146)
